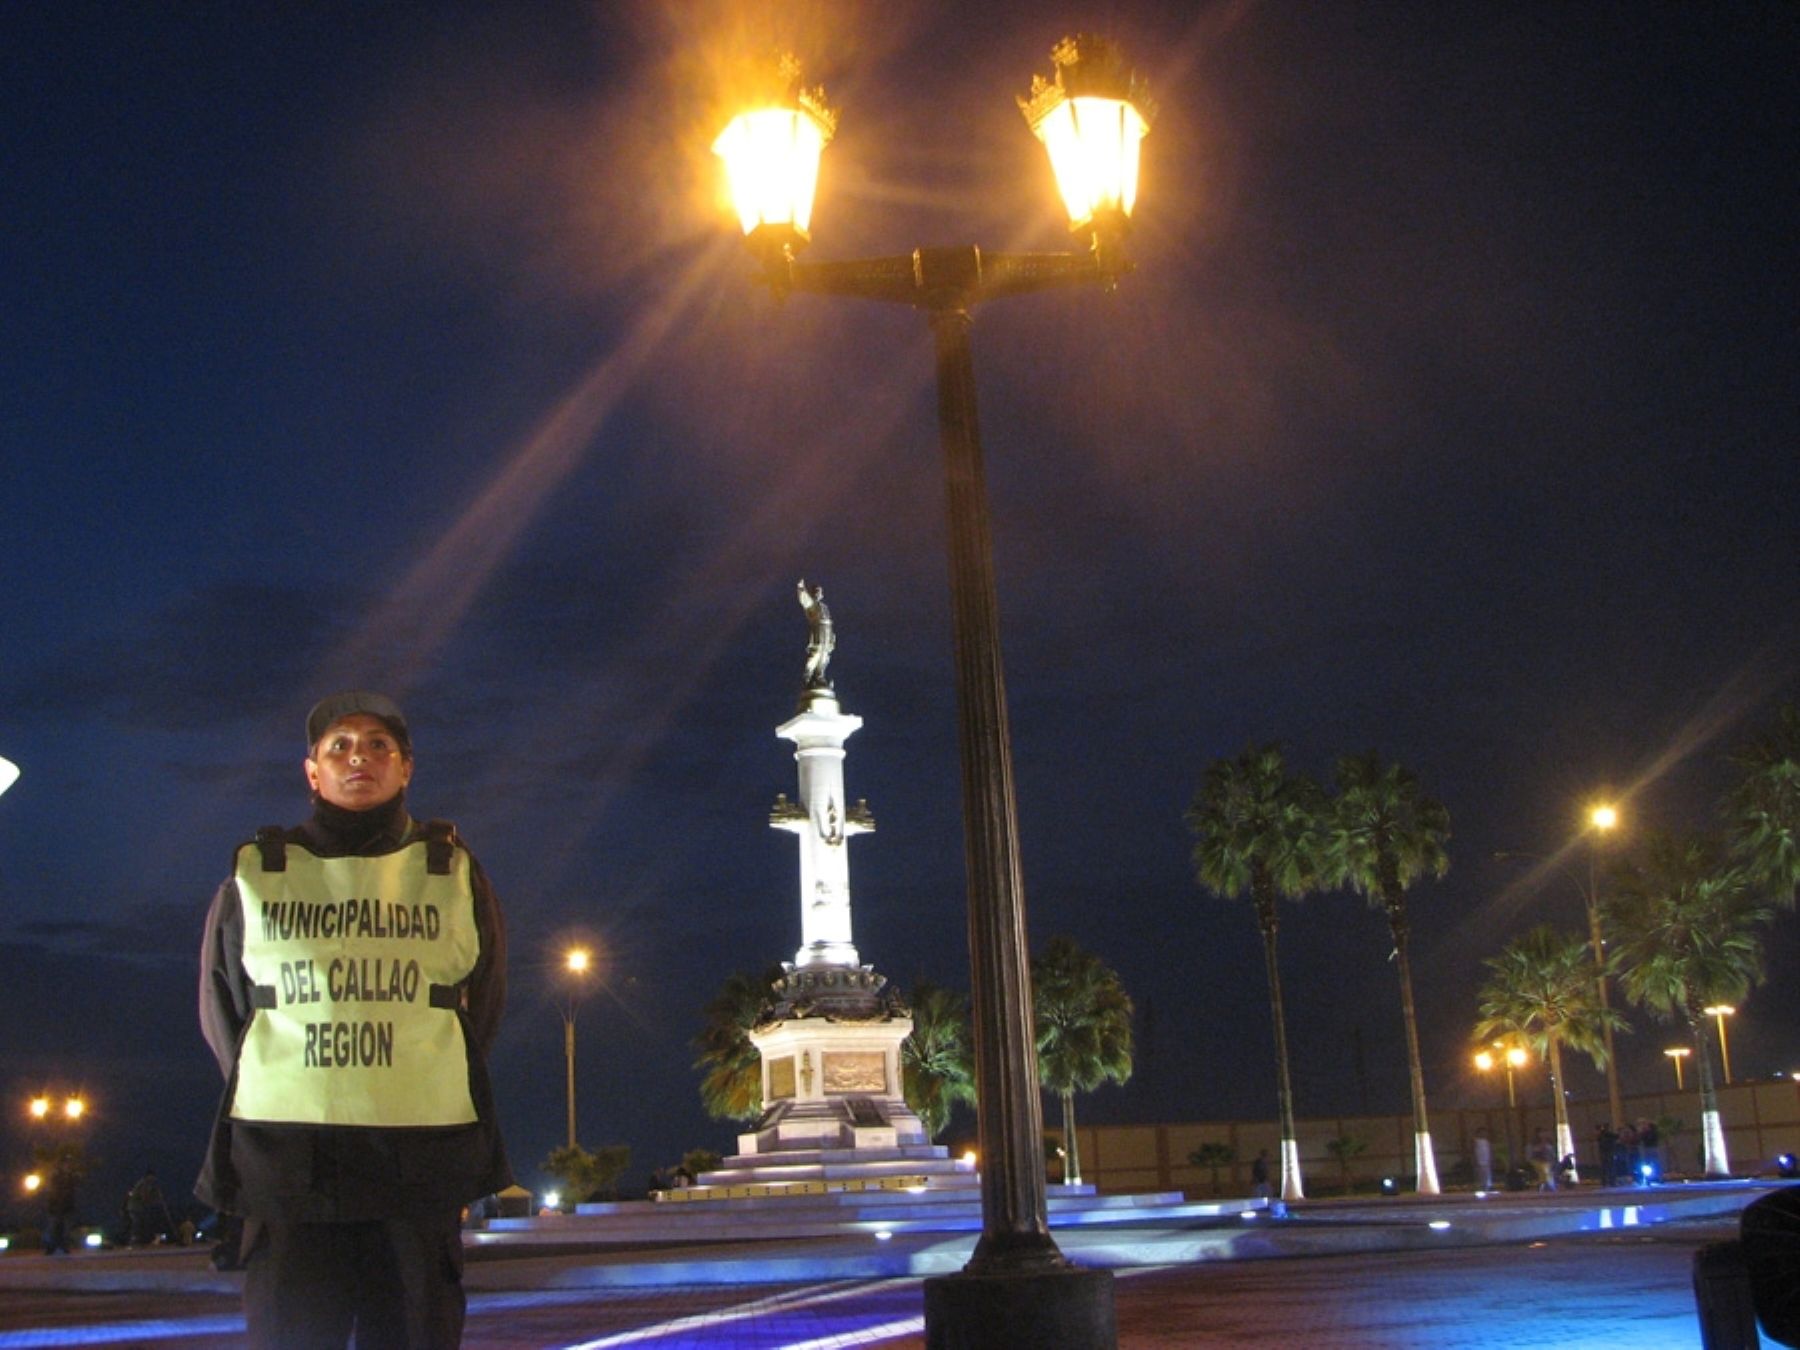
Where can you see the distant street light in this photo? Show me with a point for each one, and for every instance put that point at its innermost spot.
(1601, 820)
(1510, 1058)
(1604, 818)
(1090, 116)
(1678, 1053)
(1719, 1012)
(32, 1181)
(42, 1106)
(579, 963)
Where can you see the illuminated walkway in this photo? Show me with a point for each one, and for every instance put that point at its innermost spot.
(1390, 1279)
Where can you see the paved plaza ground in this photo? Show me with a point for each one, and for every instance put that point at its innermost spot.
(1613, 1288)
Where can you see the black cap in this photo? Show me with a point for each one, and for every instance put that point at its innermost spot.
(339, 706)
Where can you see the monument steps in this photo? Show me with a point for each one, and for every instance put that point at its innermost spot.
(774, 1168)
(825, 1214)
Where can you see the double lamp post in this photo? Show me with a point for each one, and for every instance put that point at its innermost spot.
(1017, 1288)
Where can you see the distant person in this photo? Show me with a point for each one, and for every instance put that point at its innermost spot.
(351, 983)
(59, 1205)
(1649, 1168)
(1259, 1175)
(1606, 1145)
(1630, 1154)
(146, 1214)
(1543, 1159)
(1484, 1160)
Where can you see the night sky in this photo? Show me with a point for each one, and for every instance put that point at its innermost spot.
(1450, 412)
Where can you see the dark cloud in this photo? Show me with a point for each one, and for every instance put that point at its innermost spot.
(152, 933)
(204, 655)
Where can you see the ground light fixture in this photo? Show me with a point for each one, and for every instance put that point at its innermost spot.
(1091, 114)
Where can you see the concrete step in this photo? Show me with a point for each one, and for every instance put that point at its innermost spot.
(782, 1170)
(899, 1152)
(823, 1214)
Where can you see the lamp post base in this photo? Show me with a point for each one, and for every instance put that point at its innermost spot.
(1062, 1308)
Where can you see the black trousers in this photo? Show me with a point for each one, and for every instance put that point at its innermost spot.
(395, 1283)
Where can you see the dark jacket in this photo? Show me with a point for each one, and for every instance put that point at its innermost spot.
(336, 1173)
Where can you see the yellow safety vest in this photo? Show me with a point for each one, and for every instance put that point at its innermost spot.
(355, 964)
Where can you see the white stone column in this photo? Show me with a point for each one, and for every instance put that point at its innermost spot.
(822, 821)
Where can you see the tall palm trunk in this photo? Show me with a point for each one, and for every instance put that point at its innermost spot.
(1071, 1162)
(1424, 1157)
(1712, 1126)
(1565, 1137)
(1291, 1187)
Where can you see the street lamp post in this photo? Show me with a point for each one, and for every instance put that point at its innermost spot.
(1510, 1058)
(579, 963)
(1719, 1012)
(1603, 819)
(1676, 1054)
(1017, 1287)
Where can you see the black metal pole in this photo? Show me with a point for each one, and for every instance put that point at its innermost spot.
(1015, 1213)
(1017, 1288)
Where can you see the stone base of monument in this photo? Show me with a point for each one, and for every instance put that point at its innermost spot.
(1061, 1308)
(832, 1078)
(816, 1171)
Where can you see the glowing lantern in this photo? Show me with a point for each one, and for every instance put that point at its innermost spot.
(771, 154)
(1092, 116)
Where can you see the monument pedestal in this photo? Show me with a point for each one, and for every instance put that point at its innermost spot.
(835, 1109)
(831, 1076)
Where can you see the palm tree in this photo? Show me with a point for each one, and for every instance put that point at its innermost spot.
(732, 1088)
(1083, 1030)
(1256, 833)
(937, 1067)
(1763, 809)
(1382, 834)
(1543, 992)
(1685, 920)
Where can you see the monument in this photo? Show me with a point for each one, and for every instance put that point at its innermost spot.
(836, 1150)
(830, 1041)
